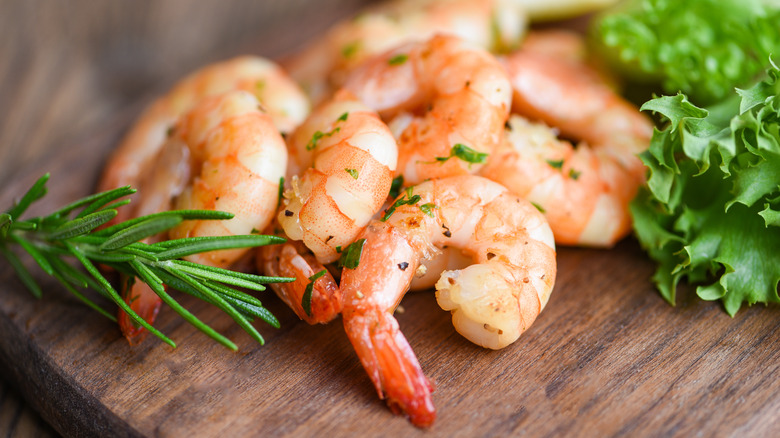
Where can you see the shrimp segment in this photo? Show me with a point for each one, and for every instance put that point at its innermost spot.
(492, 301)
(324, 66)
(585, 191)
(439, 96)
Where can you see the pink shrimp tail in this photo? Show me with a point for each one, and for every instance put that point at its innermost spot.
(142, 299)
(390, 362)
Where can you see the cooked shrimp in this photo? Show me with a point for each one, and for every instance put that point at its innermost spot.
(324, 65)
(342, 162)
(492, 301)
(293, 259)
(225, 154)
(584, 191)
(446, 100)
(280, 96)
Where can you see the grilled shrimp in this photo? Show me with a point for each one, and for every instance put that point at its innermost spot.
(342, 162)
(492, 301)
(445, 100)
(584, 190)
(225, 154)
(280, 96)
(323, 66)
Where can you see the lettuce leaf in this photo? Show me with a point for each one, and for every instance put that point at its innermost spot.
(710, 212)
(703, 48)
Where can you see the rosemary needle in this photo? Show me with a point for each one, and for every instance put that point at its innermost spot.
(72, 231)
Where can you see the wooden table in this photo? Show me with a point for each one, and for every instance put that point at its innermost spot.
(607, 357)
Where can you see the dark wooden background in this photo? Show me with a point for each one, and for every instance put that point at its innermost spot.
(608, 357)
(69, 68)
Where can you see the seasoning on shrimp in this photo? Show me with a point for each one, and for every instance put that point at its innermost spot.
(492, 301)
(583, 190)
(448, 99)
(336, 187)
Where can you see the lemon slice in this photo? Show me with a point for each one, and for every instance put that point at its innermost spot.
(544, 10)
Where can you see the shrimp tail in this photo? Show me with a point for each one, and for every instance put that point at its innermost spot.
(391, 364)
(291, 260)
(142, 299)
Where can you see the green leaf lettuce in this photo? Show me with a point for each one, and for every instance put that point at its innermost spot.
(710, 211)
(700, 47)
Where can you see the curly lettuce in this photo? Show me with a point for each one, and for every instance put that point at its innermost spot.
(703, 48)
(710, 212)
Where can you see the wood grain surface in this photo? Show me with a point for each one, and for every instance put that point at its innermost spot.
(607, 357)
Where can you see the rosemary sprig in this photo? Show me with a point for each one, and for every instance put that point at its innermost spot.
(72, 231)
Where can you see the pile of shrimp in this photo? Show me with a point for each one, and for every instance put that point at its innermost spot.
(453, 105)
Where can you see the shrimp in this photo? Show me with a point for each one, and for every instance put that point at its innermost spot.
(323, 66)
(225, 154)
(148, 146)
(279, 95)
(584, 190)
(446, 101)
(492, 301)
(342, 162)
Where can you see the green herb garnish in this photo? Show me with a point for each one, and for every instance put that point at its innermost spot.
(318, 135)
(306, 299)
(280, 195)
(428, 208)
(396, 186)
(350, 50)
(464, 153)
(555, 164)
(410, 200)
(350, 256)
(72, 231)
(398, 59)
(352, 172)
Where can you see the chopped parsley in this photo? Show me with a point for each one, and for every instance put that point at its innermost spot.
(574, 174)
(281, 192)
(539, 207)
(398, 59)
(395, 187)
(464, 153)
(411, 200)
(353, 173)
(306, 300)
(428, 208)
(320, 135)
(350, 256)
(350, 50)
(556, 164)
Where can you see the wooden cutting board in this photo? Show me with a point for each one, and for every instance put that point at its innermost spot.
(607, 356)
